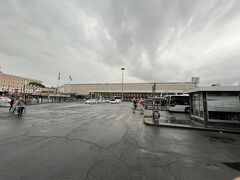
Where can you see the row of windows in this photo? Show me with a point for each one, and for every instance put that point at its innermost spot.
(10, 82)
(18, 87)
(17, 84)
(9, 86)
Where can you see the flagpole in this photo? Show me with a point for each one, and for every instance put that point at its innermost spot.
(58, 81)
(57, 85)
(69, 84)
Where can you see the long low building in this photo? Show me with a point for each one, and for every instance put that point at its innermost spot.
(130, 90)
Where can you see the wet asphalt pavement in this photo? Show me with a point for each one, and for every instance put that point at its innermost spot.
(108, 142)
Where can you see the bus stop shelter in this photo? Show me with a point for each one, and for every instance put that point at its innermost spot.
(215, 104)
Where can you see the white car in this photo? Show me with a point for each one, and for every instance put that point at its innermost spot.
(5, 101)
(115, 101)
(87, 101)
(100, 101)
(91, 101)
(94, 101)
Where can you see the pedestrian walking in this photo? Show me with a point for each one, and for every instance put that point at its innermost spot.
(141, 104)
(14, 107)
(134, 101)
(11, 103)
(21, 106)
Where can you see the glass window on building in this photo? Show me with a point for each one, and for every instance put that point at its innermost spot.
(228, 102)
(224, 106)
(179, 100)
(201, 110)
(196, 104)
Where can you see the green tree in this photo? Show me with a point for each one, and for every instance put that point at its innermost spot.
(36, 85)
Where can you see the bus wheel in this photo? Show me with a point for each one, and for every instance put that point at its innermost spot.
(187, 110)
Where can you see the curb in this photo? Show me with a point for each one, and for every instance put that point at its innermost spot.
(190, 127)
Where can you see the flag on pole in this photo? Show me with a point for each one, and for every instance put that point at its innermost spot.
(70, 77)
(59, 76)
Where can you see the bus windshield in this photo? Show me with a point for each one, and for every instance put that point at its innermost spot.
(179, 100)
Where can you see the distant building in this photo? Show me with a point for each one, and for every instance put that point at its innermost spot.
(12, 83)
(130, 90)
(47, 90)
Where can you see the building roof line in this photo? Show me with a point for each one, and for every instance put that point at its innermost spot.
(20, 77)
(132, 83)
(214, 89)
(136, 91)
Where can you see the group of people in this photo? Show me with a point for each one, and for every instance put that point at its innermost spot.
(18, 104)
(138, 103)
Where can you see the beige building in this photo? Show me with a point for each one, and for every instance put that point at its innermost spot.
(130, 90)
(11, 83)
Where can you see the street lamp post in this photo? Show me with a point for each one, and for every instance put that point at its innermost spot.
(122, 81)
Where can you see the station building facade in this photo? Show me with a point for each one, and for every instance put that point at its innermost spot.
(130, 90)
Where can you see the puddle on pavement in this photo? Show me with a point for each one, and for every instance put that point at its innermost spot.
(220, 139)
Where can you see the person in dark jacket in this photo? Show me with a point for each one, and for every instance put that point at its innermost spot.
(11, 103)
(134, 104)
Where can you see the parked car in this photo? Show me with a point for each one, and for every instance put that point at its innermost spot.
(88, 101)
(115, 101)
(94, 101)
(104, 101)
(91, 101)
(5, 101)
(101, 101)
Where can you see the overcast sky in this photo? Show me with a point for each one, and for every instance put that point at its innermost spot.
(155, 40)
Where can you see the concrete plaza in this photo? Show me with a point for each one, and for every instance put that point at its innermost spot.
(107, 141)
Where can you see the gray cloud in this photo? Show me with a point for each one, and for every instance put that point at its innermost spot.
(155, 40)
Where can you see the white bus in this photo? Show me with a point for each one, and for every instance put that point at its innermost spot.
(178, 103)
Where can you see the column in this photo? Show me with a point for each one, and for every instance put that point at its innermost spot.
(205, 109)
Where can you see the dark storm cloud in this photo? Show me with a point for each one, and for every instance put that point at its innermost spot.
(155, 40)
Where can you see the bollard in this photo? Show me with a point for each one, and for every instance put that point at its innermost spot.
(156, 115)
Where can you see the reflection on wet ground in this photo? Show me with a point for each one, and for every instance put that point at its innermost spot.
(184, 120)
(167, 117)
